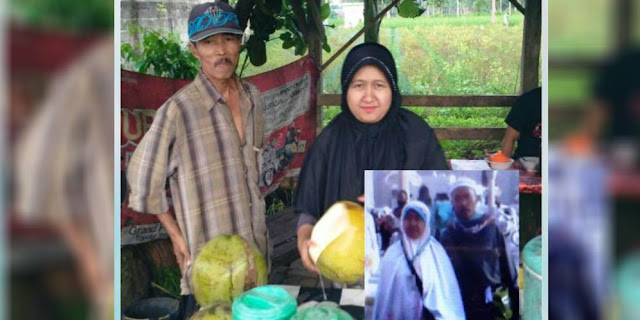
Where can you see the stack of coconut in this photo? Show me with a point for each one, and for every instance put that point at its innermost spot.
(229, 275)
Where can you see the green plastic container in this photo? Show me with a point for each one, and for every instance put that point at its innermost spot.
(532, 284)
(266, 303)
(629, 287)
(322, 313)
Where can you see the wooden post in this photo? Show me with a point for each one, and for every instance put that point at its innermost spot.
(493, 11)
(623, 29)
(370, 13)
(530, 63)
(314, 25)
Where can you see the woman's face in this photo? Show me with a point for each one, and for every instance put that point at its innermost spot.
(413, 225)
(369, 95)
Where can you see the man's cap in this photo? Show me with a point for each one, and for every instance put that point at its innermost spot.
(207, 19)
(465, 183)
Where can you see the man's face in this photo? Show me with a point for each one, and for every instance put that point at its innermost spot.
(218, 55)
(464, 202)
(402, 197)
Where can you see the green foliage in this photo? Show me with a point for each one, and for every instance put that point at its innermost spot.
(278, 19)
(73, 15)
(278, 201)
(161, 55)
(168, 281)
(408, 9)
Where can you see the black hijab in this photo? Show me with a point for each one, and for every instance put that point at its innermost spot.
(334, 167)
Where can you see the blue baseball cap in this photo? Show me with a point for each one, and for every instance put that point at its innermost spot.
(207, 19)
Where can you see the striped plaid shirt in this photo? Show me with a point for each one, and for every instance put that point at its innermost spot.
(213, 176)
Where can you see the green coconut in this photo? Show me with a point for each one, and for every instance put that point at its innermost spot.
(226, 267)
(220, 311)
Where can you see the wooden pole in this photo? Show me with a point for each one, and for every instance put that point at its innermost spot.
(493, 11)
(370, 13)
(358, 34)
(624, 22)
(530, 63)
(316, 29)
(517, 5)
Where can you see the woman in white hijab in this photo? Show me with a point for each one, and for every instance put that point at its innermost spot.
(417, 280)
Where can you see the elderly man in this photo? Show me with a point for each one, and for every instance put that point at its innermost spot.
(205, 139)
(477, 251)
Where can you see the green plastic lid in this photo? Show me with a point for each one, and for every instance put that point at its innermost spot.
(322, 313)
(532, 255)
(265, 302)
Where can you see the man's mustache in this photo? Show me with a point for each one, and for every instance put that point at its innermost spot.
(222, 61)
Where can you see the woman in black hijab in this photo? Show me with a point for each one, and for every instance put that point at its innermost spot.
(372, 132)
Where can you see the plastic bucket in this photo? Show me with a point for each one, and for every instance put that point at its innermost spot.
(532, 285)
(266, 303)
(629, 287)
(153, 309)
(322, 312)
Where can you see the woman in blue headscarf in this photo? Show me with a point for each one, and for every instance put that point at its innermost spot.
(417, 279)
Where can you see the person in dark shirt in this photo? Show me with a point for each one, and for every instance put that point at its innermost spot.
(524, 125)
(425, 196)
(479, 257)
(402, 201)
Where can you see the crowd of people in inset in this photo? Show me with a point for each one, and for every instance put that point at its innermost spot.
(451, 257)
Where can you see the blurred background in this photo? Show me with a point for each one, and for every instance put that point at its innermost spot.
(594, 180)
(59, 158)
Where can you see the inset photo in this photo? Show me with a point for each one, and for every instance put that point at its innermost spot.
(442, 244)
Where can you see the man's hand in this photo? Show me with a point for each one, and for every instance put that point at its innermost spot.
(180, 248)
(509, 141)
(95, 278)
(304, 243)
(182, 253)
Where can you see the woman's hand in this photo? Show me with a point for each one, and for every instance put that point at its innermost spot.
(304, 243)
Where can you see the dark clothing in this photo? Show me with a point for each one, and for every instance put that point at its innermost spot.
(618, 86)
(526, 117)
(480, 261)
(571, 294)
(334, 167)
(188, 306)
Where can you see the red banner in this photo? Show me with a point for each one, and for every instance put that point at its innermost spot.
(289, 95)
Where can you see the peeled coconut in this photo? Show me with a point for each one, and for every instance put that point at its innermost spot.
(221, 311)
(226, 267)
(339, 239)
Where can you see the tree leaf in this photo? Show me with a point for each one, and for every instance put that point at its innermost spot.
(257, 53)
(326, 47)
(325, 11)
(274, 5)
(408, 9)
